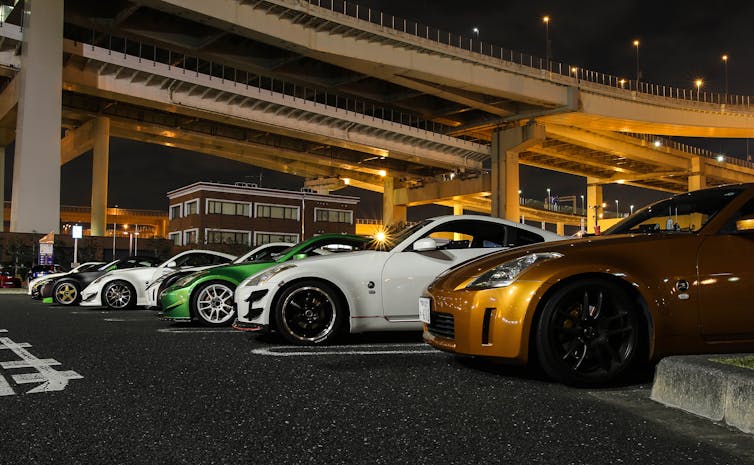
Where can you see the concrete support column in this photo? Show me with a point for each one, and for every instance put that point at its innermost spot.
(560, 228)
(391, 213)
(457, 209)
(36, 167)
(2, 189)
(593, 204)
(505, 147)
(100, 164)
(697, 178)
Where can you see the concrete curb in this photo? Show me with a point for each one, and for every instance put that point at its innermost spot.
(713, 390)
(13, 290)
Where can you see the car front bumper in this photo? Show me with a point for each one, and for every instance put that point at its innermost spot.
(253, 304)
(175, 304)
(486, 323)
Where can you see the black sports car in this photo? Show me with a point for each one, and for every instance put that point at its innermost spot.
(66, 290)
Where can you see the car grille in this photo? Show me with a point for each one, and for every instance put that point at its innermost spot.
(442, 324)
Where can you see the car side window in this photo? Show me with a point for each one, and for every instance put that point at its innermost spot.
(464, 234)
(746, 213)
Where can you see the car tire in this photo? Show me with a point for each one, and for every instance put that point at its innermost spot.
(212, 303)
(309, 313)
(589, 333)
(119, 295)
(66, 293)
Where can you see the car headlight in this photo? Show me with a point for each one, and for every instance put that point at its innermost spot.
(504, 274)
(263, 277)
(97, 281)
(186, 280)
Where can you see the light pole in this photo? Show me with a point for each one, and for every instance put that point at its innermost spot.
(638, 73)
(548, 51)
(698, 83)
(476, 32)
(617, 212)
(115, 228)
(725, 73)
(549, 199)
(632, 209)
(582, 203)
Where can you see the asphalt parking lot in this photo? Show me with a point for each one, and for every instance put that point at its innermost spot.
(92, 386)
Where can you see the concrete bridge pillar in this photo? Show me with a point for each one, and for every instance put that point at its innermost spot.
(100, 164)
(35, 204)
(391, 213)
(506, 145)
(2, 189)
(593, 204)
(560, 228)
(697, 178)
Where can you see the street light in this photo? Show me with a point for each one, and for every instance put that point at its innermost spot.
(476, 32)
(725, 72)
(582, 203)
(549, 199)
(622, 83)
(632, 209)
(115, 227)
(617, 212)
(638, 73)
(698, 83)
(548, 52)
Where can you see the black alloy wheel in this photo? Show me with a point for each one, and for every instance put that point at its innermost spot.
(588, 333)
(309, 313)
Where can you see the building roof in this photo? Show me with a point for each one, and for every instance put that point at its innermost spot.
(252, 189)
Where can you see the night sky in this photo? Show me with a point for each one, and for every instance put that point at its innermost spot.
(680, 42)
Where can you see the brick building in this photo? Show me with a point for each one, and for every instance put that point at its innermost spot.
(241, 213)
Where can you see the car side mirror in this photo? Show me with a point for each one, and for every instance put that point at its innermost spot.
(300, 256)
(745, 223)
(171, 264)
(425, 244)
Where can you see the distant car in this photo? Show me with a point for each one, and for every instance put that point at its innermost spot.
(313, 301)
(34, 284)
(66, 289)
(7, 279)
(207, 296)
(674, 278)
(264, 252)
(37, 271)
(125, 288)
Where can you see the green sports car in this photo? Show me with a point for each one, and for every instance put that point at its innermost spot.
(207, 296)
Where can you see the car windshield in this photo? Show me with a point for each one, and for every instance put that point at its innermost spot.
(392, 238)
(683, 213)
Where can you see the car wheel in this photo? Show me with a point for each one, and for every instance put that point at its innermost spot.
(118, 295)
(309, 313)
(66, 293)
(212, 303)
(588, 333)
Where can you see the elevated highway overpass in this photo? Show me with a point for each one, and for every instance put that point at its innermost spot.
(338, 95)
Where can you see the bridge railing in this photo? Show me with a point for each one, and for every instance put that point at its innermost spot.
(554, 70)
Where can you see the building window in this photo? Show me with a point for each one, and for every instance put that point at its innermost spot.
(277, 211)
(333, 216)
(220, 207)
(175, 237)
(191, 208)
(190, 236)
(221, 236)
(175, 211)
(267, 237)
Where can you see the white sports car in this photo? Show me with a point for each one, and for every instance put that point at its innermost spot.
(160, 283)
(120, 289)
(310, 301)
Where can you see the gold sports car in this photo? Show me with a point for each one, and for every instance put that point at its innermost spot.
(676, 277)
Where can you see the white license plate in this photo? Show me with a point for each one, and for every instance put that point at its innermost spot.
(424, 307)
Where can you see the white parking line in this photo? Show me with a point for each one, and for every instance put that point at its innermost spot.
(197, 330)
(51, 379)
(378, 349)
